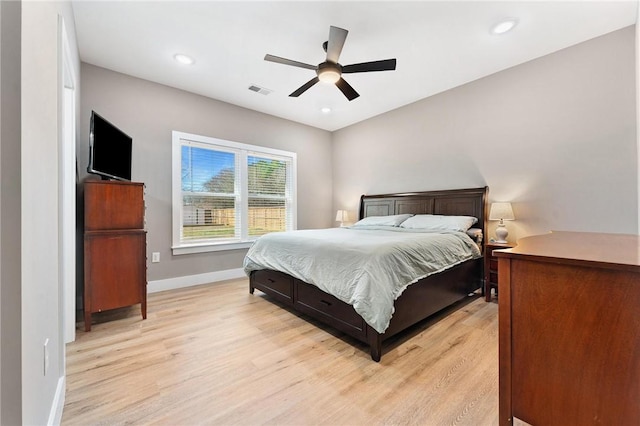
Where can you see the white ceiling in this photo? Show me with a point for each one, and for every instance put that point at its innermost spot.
(438, 46)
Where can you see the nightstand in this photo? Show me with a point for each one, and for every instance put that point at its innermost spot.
(491, 268)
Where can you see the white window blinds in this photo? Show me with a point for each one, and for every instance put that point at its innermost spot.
(268, 183)
(231, 192)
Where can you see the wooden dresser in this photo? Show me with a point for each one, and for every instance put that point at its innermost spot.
(115, 253)
(569, 319)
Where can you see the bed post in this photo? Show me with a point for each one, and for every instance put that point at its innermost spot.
(375, 343)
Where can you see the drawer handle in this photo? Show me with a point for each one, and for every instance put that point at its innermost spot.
(271, 280)
(325, 302)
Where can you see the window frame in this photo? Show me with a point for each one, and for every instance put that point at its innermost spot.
(178, 247)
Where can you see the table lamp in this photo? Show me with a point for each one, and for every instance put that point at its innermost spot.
(342, 216)
(501, 212)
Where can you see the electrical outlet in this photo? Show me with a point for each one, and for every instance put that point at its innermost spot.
(155, 257)
(46, 356)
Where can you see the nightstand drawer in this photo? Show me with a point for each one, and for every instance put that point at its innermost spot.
(491, 268)
(493, 264)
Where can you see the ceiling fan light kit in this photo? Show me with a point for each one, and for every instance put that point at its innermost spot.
(330, 71)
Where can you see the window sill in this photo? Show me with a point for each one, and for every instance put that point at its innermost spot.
(209, 247)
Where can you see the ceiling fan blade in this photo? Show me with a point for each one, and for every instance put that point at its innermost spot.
(285, 61)
(337, 36)
(346, 88)
(304, 87)
(384, 65)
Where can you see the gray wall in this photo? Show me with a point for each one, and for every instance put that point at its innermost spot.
(10, 254)
(556, 136)
(149, 112)
(41, 288)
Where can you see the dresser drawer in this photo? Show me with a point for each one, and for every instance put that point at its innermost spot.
(321, 305)
(275, 284)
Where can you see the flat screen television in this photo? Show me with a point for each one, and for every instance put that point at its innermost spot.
(109, 150)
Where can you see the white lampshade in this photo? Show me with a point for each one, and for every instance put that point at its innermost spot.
(501, 211)
(342, 216)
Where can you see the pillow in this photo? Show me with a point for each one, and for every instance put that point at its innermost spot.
(393, 220)
(439, 223)
(475, 234)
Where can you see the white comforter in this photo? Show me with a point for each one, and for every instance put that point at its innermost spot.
(367, 269)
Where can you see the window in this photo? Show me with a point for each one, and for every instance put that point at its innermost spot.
(226, 194)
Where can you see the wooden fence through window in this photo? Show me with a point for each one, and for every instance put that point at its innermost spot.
(260, 218)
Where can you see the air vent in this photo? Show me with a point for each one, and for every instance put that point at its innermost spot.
(259, 89)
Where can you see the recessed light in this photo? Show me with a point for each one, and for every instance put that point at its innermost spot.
(183, 59)
(504, 26)
(325, 110)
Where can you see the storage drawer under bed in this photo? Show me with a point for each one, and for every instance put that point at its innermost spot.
(275, 284)
(318, 304)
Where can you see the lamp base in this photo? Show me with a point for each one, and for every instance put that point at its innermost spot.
(501, 234)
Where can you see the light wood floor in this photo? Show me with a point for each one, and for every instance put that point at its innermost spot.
(215, 354)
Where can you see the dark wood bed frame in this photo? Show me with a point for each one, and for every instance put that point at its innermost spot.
(420, 300)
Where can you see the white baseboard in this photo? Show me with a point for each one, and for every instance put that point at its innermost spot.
(55, 415)
(191, 280)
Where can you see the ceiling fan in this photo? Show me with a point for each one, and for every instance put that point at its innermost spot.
(330, 71)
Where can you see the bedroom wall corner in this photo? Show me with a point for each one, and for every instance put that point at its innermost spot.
(544, 135)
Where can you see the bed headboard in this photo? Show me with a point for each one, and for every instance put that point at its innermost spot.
(452, 202)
